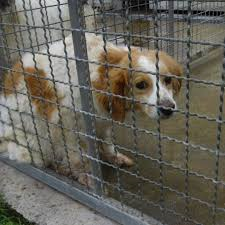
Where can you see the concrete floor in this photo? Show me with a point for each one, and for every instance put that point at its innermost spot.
(40, 204)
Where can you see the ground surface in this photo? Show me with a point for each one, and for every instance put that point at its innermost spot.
(8, 216)
(40, 204)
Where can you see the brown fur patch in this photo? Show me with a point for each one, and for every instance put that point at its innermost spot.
(40, 88)
(41, 91)
(12, 79)
(172, 68)
(118, 81)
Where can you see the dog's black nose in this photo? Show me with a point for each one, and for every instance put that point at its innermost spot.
(166, 107)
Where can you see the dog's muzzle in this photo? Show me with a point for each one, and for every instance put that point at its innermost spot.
(166, 108)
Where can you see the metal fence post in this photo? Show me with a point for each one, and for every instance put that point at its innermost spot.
(3, 62)
(80, 49)
(171, 27)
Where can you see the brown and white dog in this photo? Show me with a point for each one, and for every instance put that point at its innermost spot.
(50, 92)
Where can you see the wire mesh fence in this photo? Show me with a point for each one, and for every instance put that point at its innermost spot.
(89, 96)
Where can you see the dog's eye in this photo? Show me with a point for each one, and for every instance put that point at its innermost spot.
(167, 80)
(141, 85)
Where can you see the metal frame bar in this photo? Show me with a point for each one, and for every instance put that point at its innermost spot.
(171, 27)
(2, 56)
(80, 50)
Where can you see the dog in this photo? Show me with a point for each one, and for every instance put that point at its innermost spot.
(43, 99)
(23, 22)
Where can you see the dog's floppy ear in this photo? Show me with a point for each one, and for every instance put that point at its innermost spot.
(113, 81)
(111, 56)
(119, 86)
(174, 68)
(115, 86)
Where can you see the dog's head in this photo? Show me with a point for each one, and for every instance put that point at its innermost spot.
(149, 95)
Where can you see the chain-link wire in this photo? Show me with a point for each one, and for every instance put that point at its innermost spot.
(40, 88)
(218, 142)
(131, 81)
(80, 48)
(187, 106)
(109, 85)
(166, 186)
(156, 45)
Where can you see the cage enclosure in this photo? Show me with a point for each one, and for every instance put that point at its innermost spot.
(178, 173)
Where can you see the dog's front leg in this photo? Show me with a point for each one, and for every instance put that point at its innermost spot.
(111, 154)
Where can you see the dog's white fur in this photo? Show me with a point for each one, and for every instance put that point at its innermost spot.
(22, 15)
(67, 143)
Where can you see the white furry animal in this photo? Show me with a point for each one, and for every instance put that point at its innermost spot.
(24, 16)
(34, 82)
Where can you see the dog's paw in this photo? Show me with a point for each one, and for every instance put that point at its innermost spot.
(18, 153)
(62, 170)
(85, 180)
(123, 160)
